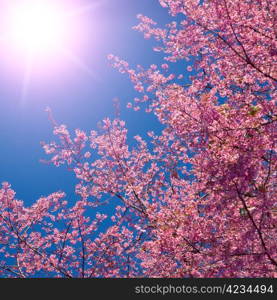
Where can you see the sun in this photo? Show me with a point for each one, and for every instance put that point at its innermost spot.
(43, 34)
(36, 26)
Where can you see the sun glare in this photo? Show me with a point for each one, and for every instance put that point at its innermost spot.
(36, 26)
(43, 34)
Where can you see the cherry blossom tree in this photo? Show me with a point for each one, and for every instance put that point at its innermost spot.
(197, 200)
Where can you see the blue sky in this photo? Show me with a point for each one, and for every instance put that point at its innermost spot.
(76, 98)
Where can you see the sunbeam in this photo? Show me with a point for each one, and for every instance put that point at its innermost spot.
(79, 63)
(26, 80)
(84, 9)
(35, 26)
(44, 32)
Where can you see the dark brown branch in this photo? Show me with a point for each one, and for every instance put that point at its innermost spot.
(83, 249)
(256, 227)
(236, 52)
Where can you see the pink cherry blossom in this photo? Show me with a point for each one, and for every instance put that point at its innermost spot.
(196, 200)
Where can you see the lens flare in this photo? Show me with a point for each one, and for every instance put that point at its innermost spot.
(36, 26)
(44, 36)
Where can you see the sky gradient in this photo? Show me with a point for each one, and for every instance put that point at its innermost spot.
(78, 98)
